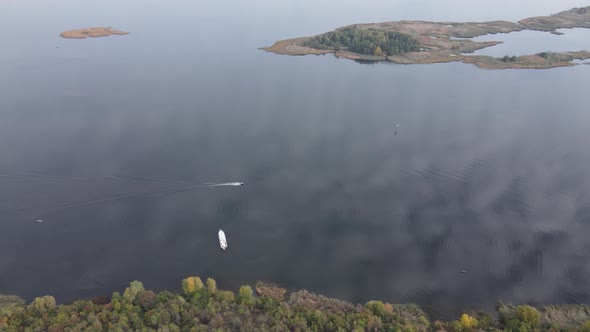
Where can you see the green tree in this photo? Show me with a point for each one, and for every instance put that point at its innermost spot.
(246, 296)
(43, 304)
(376, 307)
(211, 285)
(131, 292)
(225, 296)
(528, 315)
(456, 326)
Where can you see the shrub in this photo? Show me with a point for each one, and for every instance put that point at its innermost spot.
(506, 313)
(456, 326)
(528, 315)
(376, 307)
(468, 322)
(484, 321)
(224, 296)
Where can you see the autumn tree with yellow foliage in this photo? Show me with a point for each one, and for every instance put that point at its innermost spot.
(191, 284)
(468, 322)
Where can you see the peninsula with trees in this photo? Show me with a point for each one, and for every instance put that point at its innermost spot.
(422, 42)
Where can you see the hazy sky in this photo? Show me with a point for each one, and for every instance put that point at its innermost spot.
(284, 18)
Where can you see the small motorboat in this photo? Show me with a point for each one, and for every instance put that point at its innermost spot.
(222, 240)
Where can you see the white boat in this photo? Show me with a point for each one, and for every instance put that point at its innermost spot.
(222, 240)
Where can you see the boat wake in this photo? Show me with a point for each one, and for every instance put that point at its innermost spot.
(225, 184)
(182, 186)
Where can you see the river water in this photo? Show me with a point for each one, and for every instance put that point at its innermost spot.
(362, 181)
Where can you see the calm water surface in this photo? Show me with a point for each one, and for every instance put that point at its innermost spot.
(532, 42)
(106, 140)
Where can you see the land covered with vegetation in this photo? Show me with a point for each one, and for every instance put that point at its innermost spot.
(204, 307)
(421, 42)
(91, 32)
(371, 42)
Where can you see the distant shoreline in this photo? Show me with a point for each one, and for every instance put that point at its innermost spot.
(438, 42)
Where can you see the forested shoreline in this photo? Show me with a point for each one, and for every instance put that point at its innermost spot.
(267, 307)
(368, 42)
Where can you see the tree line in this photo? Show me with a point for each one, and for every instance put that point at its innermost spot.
(204, 307)
(365, 41)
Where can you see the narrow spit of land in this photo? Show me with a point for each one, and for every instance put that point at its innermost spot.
(422, 42)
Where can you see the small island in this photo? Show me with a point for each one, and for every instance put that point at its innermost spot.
(91, 32)
(421, 42)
